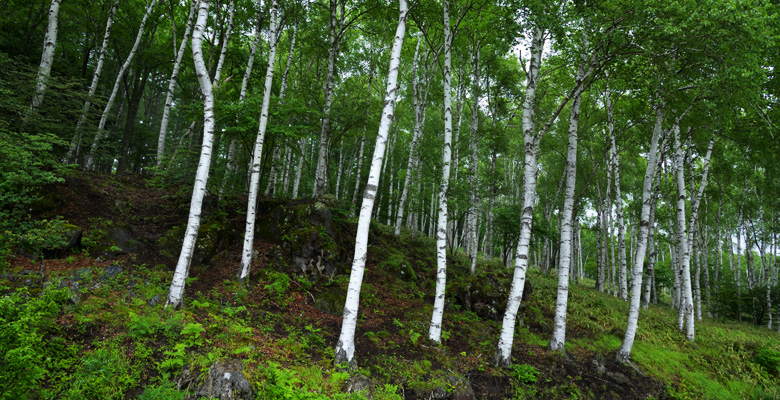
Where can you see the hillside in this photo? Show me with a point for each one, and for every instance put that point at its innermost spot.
(99, 329)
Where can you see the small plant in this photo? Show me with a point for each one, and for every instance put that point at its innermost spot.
(414, 336)
(525, 373)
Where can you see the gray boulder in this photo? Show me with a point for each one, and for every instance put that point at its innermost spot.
(226, 381)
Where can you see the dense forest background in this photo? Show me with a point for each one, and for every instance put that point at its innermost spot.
(630, 147)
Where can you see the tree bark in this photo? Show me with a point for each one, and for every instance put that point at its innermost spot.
(502, 357)
(434, 332)
(254, 185)
(90, 163)
(558, 338)
(345, 349)
(176, 291)
(321, 174)
(75, 142)
(47, 59)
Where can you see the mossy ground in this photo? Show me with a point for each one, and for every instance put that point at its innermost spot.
(115, 344)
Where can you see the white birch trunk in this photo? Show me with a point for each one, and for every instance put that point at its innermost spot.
(345, 349)
(297, 183)
(251, 212)
(231, 163)
(47, 59)
(559, 328)
(172, 86)
(362, 145)
(320, 177)
(473, 163)
(176, 291)
(684, 252)
(90, 163)
(411, 166)
(224, 44)
(624, 352)
(434, 332)
(618, 204)
(503, 353)
(74, 144)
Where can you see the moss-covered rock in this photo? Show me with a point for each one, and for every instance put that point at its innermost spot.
(331, 301)
(307, 235)
(486, 294)
(213, 237)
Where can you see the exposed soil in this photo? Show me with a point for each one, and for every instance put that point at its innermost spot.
(150, 211)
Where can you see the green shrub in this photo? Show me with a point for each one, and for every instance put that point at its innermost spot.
(164, 391)
(769, 359)
(25, 322)
(104, 374)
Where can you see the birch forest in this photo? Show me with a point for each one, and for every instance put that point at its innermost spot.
(412, 199)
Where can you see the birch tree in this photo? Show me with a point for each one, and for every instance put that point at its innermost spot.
(172, 85)
(254, 185)
(345, 348)
(434, 332)
(74, 144)
(420, 89)
(47, 59)
(90, 162)
(176, 291)
(559, 330)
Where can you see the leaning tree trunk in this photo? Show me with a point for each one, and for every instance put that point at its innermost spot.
(254, 185)
(74, 143)
(434, 332)
(624, 352)
(47, 58)
(558, 338)
(90, 163)
(176, 291)
(269, 190)
(345, 349)
(232, 148)
(172, 87)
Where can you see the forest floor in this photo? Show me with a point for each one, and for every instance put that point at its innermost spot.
(110, 337)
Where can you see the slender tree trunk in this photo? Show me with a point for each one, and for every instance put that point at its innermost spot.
(254, 185)
(684, 252)
(345, 349)
(47, 59)
(618, 203)
(473, 211)
(90, 163)
(176, 292)
(434, 332)
(558, 338)
(74, 143)
(322, 160)
(419, 119)
(232, 148)
(502, 356)
(299, 169)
